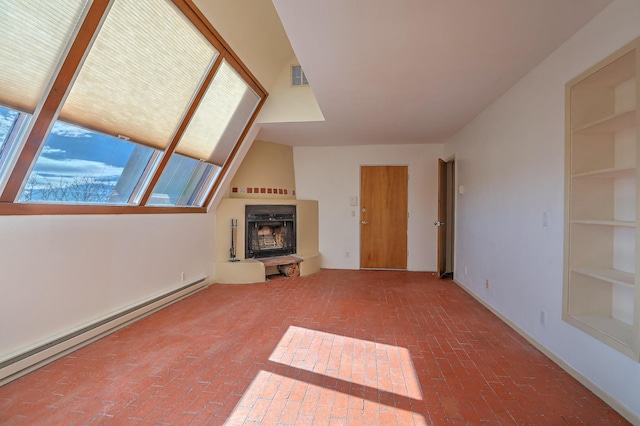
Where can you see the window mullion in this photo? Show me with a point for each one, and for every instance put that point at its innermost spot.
(136, 195)
(182, 127)
(44, 117)
(246, 76)
(227, 164)
(191, 12)
(200, 21)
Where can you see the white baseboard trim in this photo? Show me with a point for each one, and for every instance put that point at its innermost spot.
(615, 404)
(27, 361)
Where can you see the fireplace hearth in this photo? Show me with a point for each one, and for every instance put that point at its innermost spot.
(270, 230)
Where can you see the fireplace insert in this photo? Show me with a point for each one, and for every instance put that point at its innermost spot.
(270, 230)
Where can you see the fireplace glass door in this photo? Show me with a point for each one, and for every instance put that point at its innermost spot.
(270, 230)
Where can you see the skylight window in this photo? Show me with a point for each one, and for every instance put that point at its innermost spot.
(140, 74)
(183, 182)
(34, 36)
(121, 103)
(81, 166)
(8, 120)
(12, 127)
(220, 118)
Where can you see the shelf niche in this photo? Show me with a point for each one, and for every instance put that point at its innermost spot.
(601, 289)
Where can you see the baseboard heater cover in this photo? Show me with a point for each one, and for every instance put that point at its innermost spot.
(19, 365)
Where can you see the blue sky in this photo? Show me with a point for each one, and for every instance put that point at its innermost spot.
(71, 152)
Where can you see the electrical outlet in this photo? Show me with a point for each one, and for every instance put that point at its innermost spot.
(465, 271)
(543, 317)
(486, 283)
(347, 255)
(183, 276)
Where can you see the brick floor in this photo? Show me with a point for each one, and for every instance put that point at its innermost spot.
(334, 348)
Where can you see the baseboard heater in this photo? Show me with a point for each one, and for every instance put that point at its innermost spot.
(35, 358)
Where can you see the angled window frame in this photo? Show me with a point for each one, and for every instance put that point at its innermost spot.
(46, 114)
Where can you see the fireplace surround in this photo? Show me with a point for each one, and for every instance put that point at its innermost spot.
(252, 270)
(270, 230)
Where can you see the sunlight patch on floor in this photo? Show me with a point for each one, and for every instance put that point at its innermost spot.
(345, 379)
(376, 365)
(276, 399)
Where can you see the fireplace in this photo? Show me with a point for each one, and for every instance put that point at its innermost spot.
(270, 230)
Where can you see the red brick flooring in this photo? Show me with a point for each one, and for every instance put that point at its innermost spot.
(334, 348)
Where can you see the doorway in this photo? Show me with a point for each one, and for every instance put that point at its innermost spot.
(384, 192)
(446, 217)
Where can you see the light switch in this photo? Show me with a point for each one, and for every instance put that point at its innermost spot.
(460, 189)
(353, 200)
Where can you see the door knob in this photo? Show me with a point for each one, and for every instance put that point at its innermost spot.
(364, 210)
(364, 222)
(438, 223)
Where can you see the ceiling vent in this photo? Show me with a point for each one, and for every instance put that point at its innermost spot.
(298, 78)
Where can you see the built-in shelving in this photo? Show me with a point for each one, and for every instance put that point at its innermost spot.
(601, 289)
(627, 224)
(610, 275)
(615, 329)
(612, 123)
(627, 172)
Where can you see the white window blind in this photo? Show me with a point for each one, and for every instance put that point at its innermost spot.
(220, 118)
(33, 37)
(140, 74)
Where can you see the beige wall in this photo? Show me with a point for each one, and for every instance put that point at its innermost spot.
(287, 103)
(267, 166)
(254, 31)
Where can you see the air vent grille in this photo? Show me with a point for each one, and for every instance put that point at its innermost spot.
(298, 78)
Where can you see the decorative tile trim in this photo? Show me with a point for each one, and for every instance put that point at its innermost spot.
(256, 190)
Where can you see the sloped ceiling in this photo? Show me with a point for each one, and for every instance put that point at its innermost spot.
(402, 71)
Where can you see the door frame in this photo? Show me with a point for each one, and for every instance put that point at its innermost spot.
(447, 178)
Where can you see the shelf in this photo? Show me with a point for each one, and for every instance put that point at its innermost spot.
(613, 328)
(627, 224)
(610, 275)
(616, 172)
(612, 123)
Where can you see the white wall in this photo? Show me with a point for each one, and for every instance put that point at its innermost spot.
(510, 160)
(60, 272)
(332, 174)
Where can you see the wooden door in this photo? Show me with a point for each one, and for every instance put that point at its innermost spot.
(383, 217)
(442, 217)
